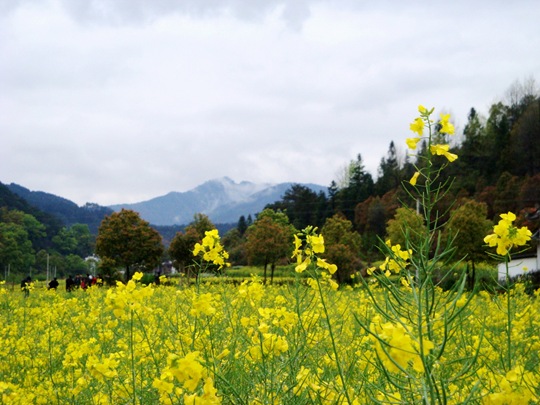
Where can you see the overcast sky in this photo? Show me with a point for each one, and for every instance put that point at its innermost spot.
(120, 101)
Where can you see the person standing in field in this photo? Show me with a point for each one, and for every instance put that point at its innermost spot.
(53, 284)
(70, 283)
(25, 285)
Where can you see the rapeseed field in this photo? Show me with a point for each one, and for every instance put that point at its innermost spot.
(250, 344)
(394, 338)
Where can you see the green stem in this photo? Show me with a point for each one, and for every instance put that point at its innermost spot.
(508, 316)
(132, 350)
(334, 347)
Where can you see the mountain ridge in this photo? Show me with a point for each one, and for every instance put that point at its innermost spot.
(62, 209)
(222, 200)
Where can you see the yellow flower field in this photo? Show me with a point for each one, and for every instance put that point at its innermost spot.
(251, 344)
(396, 338)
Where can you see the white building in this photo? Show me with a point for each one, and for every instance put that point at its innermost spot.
(523, 264)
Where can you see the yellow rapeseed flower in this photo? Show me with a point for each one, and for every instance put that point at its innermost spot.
(398, 349)
(505, 235)
(446, 126)
(297, 246)
(412, 143)
(323, 264)
(417, 126)
(442, 150)
(186, 370)
(316, 242)
(212, 250)
(302, 264)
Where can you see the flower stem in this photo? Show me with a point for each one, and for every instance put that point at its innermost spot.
(334, 347)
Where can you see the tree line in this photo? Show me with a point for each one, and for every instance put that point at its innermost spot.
(498, 170)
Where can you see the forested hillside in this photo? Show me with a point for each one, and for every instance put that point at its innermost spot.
(66, 211)
(498, 166)
(32, 240)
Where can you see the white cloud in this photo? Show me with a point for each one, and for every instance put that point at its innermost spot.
(121, 101)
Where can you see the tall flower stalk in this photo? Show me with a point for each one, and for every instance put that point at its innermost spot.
(416, 321)
(505, 237)
(308, 246)
(212, 253)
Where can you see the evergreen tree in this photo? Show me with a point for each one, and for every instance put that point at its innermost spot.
(234, 244)
(472, 154)
(242, 225)
(389, 172)
(360, 187)
(302, 205)
(498, 134)
(525, 139)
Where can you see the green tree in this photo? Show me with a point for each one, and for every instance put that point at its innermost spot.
(234, 244)
(525, 144)
(75, 264)
(128, 241)
(34, 229)
(332, 196)
(370, 219)
(242, 225)
(498, 128)
(64, 241)
(360, 186)
(269, 239)
(389, 172)
(507, 193)
(467, 228)
(302, 205)
(406, 222)
(16, 249)
(201, 223)
(342, 246)
(473, 154)
(181, 246)
(84, 238)
(529, 198)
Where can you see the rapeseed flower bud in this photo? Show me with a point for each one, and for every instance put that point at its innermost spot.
(414, 178)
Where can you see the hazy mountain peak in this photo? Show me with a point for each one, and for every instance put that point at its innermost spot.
(222, 199)
(225, 190)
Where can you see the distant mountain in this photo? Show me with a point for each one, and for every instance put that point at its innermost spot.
(223, 200)
(65, 210)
